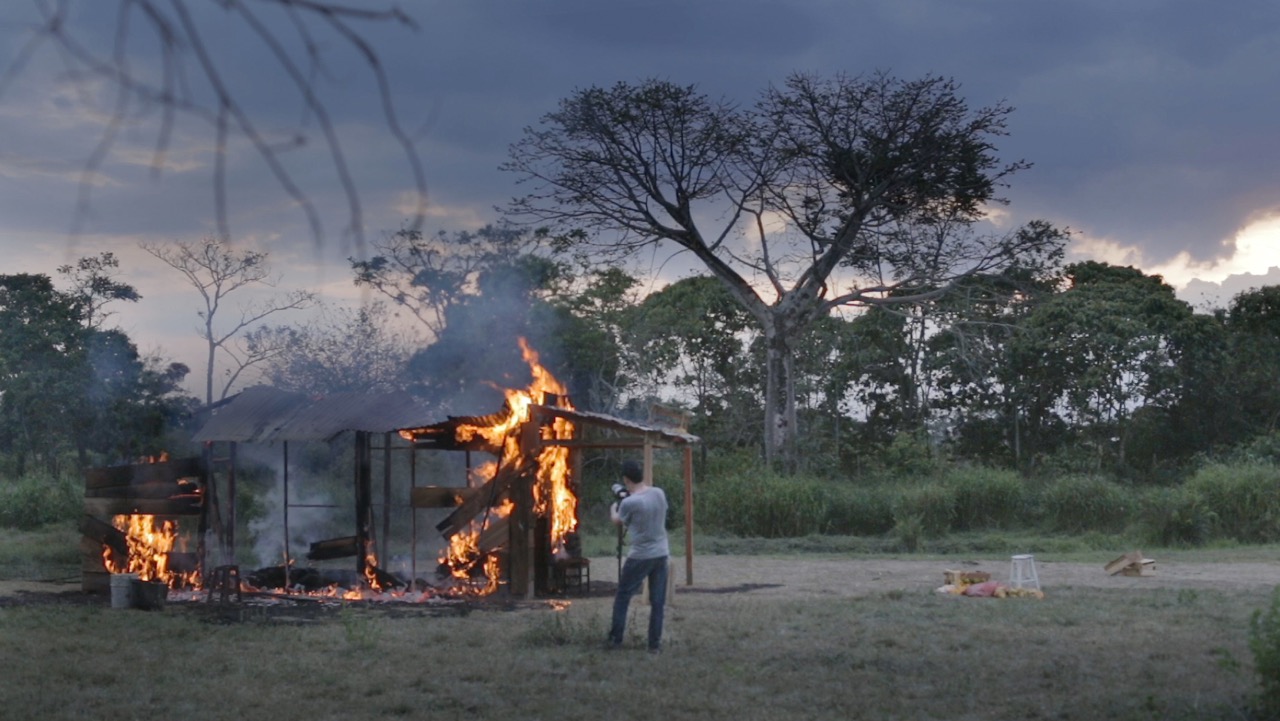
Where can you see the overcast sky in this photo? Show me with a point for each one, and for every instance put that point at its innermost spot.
(1150, 124)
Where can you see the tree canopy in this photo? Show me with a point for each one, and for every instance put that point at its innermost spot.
(827, 192)
(66, 387)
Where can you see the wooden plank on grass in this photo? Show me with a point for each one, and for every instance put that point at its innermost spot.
(1123, 562)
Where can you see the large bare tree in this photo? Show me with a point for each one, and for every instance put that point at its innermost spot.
(216, 271)
(826, 193)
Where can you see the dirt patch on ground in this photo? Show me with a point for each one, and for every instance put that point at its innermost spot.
(801, 577)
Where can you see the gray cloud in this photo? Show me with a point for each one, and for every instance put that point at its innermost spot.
(1149, 122)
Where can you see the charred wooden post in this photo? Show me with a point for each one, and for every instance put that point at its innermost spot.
(284, 510)
(230, 532)
(364, 500)
(521, 544)
(202, 526)
(384, 552)
(542, 554)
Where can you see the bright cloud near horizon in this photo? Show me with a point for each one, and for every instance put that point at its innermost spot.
(1149, 124)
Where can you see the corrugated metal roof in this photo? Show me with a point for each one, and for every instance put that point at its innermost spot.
(621, 424)
(263, 414)
(442, 435)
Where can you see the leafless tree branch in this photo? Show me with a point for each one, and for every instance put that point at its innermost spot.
(186, 54)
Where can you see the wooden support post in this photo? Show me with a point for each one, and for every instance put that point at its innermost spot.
(285, 504)
(202, 526)
(231, 506)
(364, 499)
(384, 543)
(648, 458)
(413, 518)
(521, 545)
(688, 515)
(541, 554)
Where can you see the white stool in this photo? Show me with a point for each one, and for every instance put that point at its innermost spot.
(1022, 572)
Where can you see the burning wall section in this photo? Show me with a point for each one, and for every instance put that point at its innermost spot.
(518, 513)
(145, 519)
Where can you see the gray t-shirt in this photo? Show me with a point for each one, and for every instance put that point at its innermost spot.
(645, 516)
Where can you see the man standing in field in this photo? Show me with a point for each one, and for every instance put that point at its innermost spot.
(643, 513)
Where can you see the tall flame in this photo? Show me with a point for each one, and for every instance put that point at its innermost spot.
(553, 497)
(149, 549)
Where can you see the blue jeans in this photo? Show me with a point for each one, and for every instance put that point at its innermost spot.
(634, 572)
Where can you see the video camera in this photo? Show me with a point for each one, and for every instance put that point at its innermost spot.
(619, 491)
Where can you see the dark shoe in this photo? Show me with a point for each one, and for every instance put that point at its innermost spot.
(656, 651)
(611, 645)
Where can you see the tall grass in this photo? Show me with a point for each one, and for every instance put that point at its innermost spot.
(1172, 517)
(1238, 501)
(929, 508)
(764, 504)
(50, 552)
(1243, 500)
(987, 498)
(1079, 503)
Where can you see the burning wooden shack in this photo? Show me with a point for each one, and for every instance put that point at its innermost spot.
(517, 517)
(509, 524)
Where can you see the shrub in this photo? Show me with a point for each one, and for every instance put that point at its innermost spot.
(1264, 448)
(909, 531)
(910, 455)
(1243, 498)
(859, 511)
(986, 497)
(37, 500)
(1085, 503)
(932, 506)
(1264, 642)
(1174, 517)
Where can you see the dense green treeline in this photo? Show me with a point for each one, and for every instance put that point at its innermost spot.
(1080, 392)
(1088, 369)
(73, 392)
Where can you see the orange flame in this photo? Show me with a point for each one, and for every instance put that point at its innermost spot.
(553, 497)
(149, 549)
(371, 571)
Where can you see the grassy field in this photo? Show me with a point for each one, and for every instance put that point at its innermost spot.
(1082, 653)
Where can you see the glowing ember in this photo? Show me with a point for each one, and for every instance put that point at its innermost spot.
(371, 571)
